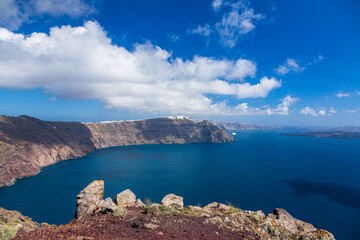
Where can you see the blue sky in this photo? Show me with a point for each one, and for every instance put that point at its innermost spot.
(267, 62)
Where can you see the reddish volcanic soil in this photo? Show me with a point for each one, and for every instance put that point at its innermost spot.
(136, 225)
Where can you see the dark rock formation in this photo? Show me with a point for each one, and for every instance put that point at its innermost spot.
(27, 144)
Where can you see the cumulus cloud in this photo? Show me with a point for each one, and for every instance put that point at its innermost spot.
(204, 30)
(238, 21)
(342, 95)
(322, 112)
(291, 65)
(308, 111)
(13, 13)
(83, 63)
(282, 108)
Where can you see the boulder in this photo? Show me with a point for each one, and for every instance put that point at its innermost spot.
(280, 222)
(139, 203)
(89, 198)
(125, 199)
(107, 205)
(172, 201)
(197, 208)
(215, 206)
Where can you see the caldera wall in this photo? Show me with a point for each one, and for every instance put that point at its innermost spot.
(27, 144)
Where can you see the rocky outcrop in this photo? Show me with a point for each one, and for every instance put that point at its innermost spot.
(278, 225)
(170, 219)
(90, 200)
(27, 144)
(172, 201)
(125, 199)
(12, 221)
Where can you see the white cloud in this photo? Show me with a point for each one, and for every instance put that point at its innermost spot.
(290, 65)
(83, 63)
(341, 95)
(216, 4)
(319, 58)
(240, 20)
(283, 107)
(308, 111)
(322, 112)
(332, 111)
(72, 8)
(10, 15)
(351, 111)
(244, 109)
(173, 37)
(204, 30)
(358, 92)
(53, 99)
(13, 13)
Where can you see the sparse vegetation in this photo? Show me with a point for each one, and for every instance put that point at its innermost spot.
(165, 209)
(119, 213)
(8, 232)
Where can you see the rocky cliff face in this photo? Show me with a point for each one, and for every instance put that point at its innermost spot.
(27, 144)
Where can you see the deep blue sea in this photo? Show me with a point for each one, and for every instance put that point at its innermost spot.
(317, 180)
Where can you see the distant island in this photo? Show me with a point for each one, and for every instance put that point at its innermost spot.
(231, 126)
(332, 134)
(27, 144)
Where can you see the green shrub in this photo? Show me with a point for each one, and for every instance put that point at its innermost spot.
(119, 213)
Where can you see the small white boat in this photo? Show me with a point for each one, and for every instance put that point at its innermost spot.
(233, 133)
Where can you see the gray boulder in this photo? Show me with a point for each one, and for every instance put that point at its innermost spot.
(139, 203)
(215, 206)
(107, 205)
(125, 199)
(89, 198)
(173, 201)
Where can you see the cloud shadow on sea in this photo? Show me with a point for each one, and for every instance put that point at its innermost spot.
(343, 194)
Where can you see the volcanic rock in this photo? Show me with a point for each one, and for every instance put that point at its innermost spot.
(89, 198)
(125, 199)
(173, 201)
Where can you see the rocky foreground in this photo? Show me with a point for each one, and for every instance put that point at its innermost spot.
(27, 144)
(127, 217)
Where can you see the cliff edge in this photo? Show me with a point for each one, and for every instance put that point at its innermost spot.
(27, 144)
(129, 218)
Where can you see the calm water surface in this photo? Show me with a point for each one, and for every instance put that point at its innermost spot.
(316, 180)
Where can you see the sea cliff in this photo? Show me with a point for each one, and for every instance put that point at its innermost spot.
(27, 144)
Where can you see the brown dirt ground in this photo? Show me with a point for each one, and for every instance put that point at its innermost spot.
(135, 225)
